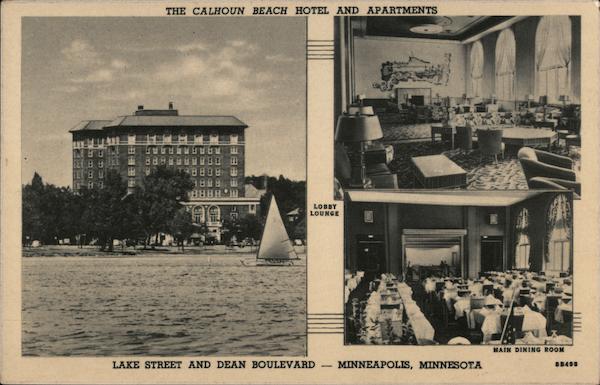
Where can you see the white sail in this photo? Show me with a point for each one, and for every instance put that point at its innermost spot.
(275, 243)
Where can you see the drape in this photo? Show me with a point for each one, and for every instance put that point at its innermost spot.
(521, 226)
(560, 208)
(505, 64)
(476, 68)
(553, 56)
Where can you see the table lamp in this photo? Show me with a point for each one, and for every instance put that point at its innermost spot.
(356, 127)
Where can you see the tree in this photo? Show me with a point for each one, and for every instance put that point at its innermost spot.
(181, 226)
(160, 197)
(251, 227)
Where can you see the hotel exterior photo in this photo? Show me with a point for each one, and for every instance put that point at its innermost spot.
(209, 148)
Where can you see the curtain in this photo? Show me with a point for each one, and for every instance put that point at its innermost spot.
(505, 65)
(521, 225)
(560, 209)
(476, 68)
(553, 57)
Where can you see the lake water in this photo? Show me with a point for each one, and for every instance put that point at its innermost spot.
(161, 305)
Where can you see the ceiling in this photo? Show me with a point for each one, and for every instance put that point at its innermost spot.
(452, 27)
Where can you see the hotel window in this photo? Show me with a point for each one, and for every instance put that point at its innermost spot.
(155, 160)
(131, 160)
(217, 150)
(186, 150)
(131, 183)
(234, 193)
(186, 161)
(170, 161)
(163, 160)
(553, 57)
(130, 171)
(233, 182)
(195, 183)
(131, 150)
(179, 161)
(100, 153)
(202, 171)
(234, 150)
(170, 150)
(159, 139)
(214, 138)
(194, 172)
(100, 164)
(218, 160)
(194, 150)
(201, 161)
(152, 139)
(90, 185)
(198, 214)
(194, 161)
(202, 183)
(522, 246)
(90, 153)
(202, 193)
(234, 160)
(218, 183)
(505, 65)
(155, 150)
(148, 150)
(90, 163)
(131, 139)
(167, 138)
(209, 183)
(202, 150)
(147, 170)
(209, 193)
(233, 139)
(252, 209)
(476, 68)
(210, 171)
(558, 236)
(90, 174)
(194, 194)
(100, 184)
(147, 161)
(178, 150)
(233, 171)
(217, 172)
(217, 193)
(210, 150)
(210, 160)
(163, 150)
(198, 138)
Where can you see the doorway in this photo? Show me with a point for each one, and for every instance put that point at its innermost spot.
(371, 255)
(492, 253)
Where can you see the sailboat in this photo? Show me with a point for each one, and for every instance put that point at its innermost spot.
(275, 248)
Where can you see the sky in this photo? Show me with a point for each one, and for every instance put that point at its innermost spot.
(84, 68)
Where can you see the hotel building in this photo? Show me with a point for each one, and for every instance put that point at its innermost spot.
(209, 148)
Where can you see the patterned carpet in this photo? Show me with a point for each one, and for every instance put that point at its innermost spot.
(482, 173)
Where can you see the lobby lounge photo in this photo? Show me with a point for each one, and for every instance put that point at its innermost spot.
(458, 267)
(468, 102)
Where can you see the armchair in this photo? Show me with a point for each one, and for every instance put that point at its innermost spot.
(555, 169)
(490, 142)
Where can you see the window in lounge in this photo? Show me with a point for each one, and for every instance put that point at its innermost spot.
(505, 65)
(476, 68)
(553, 57)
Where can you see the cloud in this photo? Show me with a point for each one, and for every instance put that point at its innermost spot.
(80, 52)
(191, 47)
(97, 76)
(67, 89)
(118, 64)
(279, 58)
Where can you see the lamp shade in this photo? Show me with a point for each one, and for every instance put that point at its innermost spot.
(358, 128)
(362, 110)
(529, 97)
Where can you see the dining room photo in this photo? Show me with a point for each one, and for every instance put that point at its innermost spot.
(458, 267)
(465, 102)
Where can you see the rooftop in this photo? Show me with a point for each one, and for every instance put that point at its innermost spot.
(90, 125)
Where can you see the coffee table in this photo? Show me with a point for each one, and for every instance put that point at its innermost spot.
(437, 171)
(528, 137)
